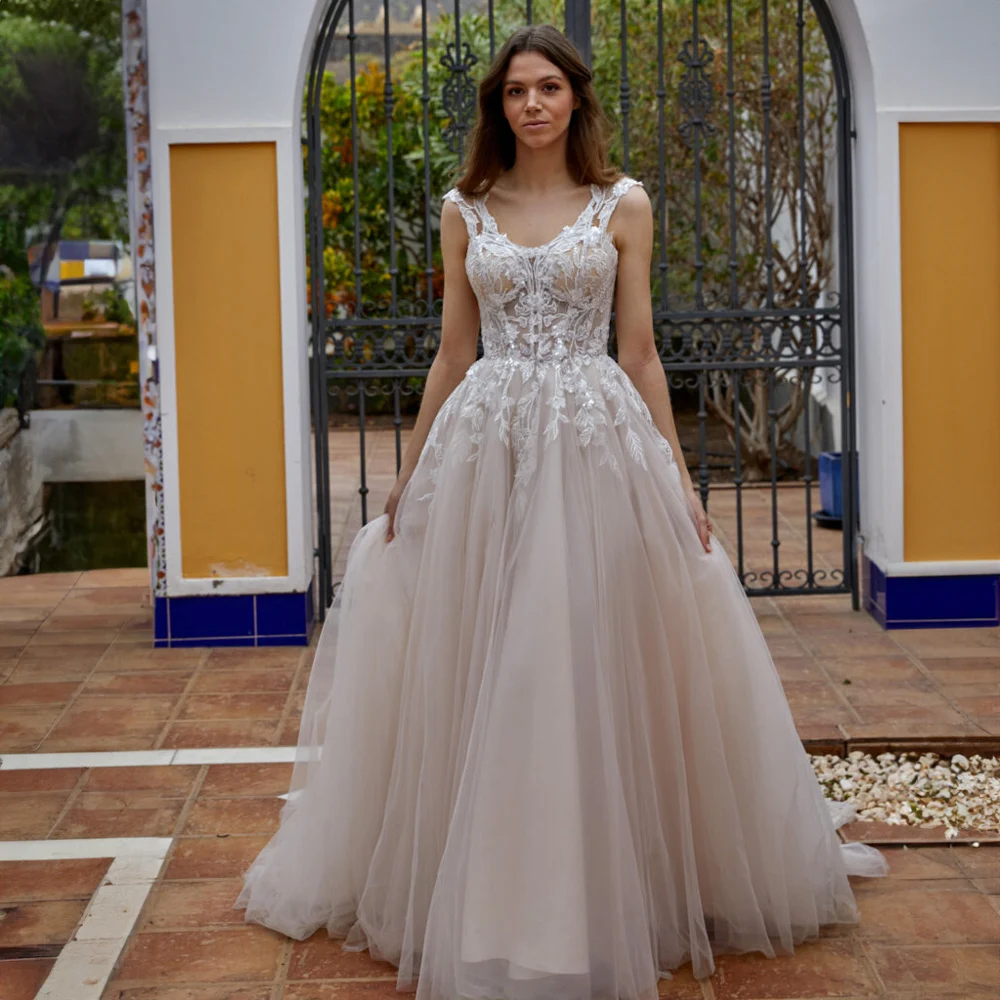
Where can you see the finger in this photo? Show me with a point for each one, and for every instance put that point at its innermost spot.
(704, 533)
(700, 519)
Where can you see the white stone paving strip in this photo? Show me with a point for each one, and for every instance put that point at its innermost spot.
(95, 847)
(148, 758)
(86, 962)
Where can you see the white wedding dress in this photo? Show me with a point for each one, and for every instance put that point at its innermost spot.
(545, 754)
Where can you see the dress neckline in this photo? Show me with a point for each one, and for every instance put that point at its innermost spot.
(589, 207)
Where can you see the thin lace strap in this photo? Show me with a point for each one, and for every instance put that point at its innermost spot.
(473, 221)
(611, 198)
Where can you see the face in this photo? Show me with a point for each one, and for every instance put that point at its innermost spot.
(538, 100)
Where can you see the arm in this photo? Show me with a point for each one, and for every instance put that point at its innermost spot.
(456, 352)
(633, 235)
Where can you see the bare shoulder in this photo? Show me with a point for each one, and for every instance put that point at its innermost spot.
(453, 227)
(450, 211)
(631, 223)
(634, 204)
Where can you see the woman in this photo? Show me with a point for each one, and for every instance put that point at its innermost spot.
(545, 752)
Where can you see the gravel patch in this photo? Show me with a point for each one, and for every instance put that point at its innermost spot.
(916, 789)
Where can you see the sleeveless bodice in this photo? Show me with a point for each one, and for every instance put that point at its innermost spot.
(549, 303)
(546, 375)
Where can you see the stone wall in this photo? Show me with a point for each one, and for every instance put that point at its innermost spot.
(21, 509)
(87, 446)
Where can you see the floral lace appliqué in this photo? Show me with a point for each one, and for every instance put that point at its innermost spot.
(545, 314)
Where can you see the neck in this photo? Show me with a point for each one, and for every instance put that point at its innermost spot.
(540, 171)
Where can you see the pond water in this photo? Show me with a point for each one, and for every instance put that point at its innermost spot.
(91, 526)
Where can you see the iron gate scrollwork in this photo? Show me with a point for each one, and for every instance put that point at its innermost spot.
(735, 114)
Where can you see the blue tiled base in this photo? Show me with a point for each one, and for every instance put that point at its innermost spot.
(931, 601)
(234, 620)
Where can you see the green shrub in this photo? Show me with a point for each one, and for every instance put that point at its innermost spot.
(21, 332)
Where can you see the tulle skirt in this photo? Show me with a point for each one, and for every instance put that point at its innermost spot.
(545, 753)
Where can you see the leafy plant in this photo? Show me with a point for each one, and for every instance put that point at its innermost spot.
(62, 143)
(115, 307)
(98, 21)
(62, 138)
(21, 333)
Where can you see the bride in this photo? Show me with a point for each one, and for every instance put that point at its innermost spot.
(545, 754)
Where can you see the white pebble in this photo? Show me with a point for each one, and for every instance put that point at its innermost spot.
(925, 790)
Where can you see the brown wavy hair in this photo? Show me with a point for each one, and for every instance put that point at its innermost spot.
(492, 145)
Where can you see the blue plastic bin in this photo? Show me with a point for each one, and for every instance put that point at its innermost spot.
(830, 491)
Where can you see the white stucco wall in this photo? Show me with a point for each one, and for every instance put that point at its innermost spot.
(225, 63)
(910, 60)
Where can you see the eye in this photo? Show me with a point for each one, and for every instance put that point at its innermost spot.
(513, 91)
(552, 86)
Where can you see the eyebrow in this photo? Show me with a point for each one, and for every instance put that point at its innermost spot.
(550, 76)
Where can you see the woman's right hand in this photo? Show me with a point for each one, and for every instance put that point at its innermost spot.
(392, 503)
(702, 522)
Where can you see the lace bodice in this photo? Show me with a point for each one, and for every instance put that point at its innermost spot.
(548, 303)
(545, 375)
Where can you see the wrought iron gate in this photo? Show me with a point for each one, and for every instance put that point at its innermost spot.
(735, 114)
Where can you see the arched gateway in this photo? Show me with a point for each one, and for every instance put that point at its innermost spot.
(736, 116)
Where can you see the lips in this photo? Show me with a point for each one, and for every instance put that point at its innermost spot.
(534, 124)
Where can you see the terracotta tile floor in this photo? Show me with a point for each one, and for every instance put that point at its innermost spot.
(930, 930)
(78, 674)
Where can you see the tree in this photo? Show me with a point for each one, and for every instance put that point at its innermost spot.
(99, 21)
(62, 137)
(62, 150)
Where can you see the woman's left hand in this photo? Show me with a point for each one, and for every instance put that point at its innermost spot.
(702, 522)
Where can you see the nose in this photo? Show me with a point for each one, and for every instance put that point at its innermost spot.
(533, 101)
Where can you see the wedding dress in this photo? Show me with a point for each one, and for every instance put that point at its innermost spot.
(545, 754)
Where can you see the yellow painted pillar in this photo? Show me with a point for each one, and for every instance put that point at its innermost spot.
(225, 408)
(950, 269)
(227, 350)
(950, 237)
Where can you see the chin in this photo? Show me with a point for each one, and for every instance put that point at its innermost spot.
(541, 139)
